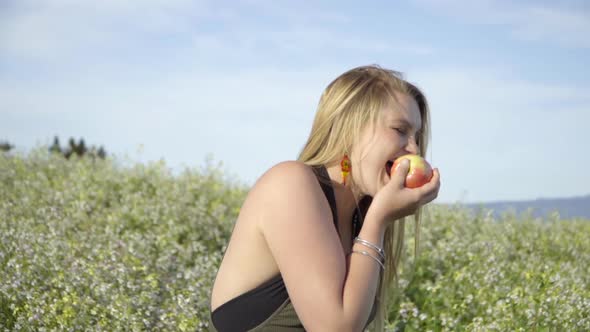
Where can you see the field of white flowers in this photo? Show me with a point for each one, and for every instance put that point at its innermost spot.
(90, 245)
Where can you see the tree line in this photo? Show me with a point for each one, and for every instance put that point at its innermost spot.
(78, 148)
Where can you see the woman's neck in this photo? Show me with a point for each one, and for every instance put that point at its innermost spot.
(345, 197)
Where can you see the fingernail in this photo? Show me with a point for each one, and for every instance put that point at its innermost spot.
(406, 162)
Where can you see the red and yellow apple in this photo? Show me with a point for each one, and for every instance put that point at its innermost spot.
(420, 171)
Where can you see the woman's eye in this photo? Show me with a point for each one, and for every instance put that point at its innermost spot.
(400, 130)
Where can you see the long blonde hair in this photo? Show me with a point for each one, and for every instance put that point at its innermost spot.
(347, 105)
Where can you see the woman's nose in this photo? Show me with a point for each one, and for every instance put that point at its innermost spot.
(412, 146)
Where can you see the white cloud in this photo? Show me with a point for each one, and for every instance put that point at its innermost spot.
(60, 30)
(556, 22)
(491, 89)
(53, 29)
(567, 27)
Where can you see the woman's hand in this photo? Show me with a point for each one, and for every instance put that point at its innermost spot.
(395, 201)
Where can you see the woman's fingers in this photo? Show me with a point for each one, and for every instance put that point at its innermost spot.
(429, 198)
(400, 173)
(429, 191)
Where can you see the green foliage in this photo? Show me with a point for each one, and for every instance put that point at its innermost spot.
(87, 245)
(475, 273)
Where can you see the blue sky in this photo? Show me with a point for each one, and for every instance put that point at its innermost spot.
(508, 82)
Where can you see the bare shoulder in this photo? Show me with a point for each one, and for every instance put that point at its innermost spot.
(286, 185)
(285, 173)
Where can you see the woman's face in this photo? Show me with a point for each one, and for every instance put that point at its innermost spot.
(394, 135)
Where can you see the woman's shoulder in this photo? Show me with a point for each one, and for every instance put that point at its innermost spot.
(289, 165)
(287, 173)
(287, 186)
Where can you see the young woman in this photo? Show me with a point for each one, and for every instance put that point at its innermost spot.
(318, 240)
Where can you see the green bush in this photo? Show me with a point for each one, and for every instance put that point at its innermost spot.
(475, 273)
(89, 245)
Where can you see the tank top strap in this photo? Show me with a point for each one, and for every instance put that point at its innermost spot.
(326, 184)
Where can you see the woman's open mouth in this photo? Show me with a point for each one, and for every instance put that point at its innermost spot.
(388, 166)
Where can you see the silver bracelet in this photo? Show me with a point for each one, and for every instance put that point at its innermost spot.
(373, 257)
(380, 251)
(382, 256)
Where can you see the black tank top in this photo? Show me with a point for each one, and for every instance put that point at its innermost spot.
(255, 307)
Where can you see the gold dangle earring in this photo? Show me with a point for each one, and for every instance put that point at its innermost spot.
(345, 167)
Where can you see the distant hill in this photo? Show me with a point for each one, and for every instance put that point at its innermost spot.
(574, 207)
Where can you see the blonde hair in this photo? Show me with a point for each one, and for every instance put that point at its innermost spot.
(347, 105)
